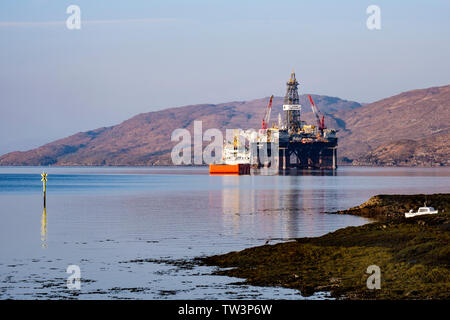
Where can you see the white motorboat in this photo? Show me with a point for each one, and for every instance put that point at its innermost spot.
(420, 212)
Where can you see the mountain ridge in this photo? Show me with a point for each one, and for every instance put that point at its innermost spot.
(369, 134)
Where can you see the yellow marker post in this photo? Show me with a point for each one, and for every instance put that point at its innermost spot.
(44, 180)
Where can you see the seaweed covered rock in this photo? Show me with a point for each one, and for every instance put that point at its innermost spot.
(413, 255)
(385, 206)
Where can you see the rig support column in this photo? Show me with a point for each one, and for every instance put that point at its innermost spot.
(334, 158)
(283, 158)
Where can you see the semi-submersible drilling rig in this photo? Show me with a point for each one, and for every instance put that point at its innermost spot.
(290, 144)
(299, 145)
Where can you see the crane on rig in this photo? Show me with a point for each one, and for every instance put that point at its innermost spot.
(319, 116)
(266, 118)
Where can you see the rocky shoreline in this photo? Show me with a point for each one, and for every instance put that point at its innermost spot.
(389, 206)
(413, 255)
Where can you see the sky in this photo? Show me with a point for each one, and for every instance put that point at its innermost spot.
(137, 56)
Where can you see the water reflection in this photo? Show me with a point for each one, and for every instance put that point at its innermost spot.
(294, 172)
(273, 206)
(44, 228)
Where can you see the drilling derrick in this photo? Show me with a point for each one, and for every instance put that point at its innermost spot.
(294, 144)
(291, 106)
(301, 145)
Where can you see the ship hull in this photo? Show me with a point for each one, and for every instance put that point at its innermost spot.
(235, 169)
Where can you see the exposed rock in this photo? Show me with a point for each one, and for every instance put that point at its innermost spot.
(385, 206)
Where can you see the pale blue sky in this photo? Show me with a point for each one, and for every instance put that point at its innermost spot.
(138, 56)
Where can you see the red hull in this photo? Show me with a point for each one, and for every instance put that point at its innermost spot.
(237, 169)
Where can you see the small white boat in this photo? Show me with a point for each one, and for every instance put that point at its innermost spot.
(420, 212)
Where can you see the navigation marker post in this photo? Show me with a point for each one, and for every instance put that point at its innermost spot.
(44, 180)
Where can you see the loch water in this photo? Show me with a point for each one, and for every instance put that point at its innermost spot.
(130, 229)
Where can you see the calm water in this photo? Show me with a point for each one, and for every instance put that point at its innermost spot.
(102, 219)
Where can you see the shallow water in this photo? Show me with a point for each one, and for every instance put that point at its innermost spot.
(108, 221)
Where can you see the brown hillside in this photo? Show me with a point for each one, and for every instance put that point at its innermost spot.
(145, 138)
(434, 150)
(411, 129)
(399, 128)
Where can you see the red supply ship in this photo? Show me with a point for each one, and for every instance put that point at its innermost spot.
(236, 159)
